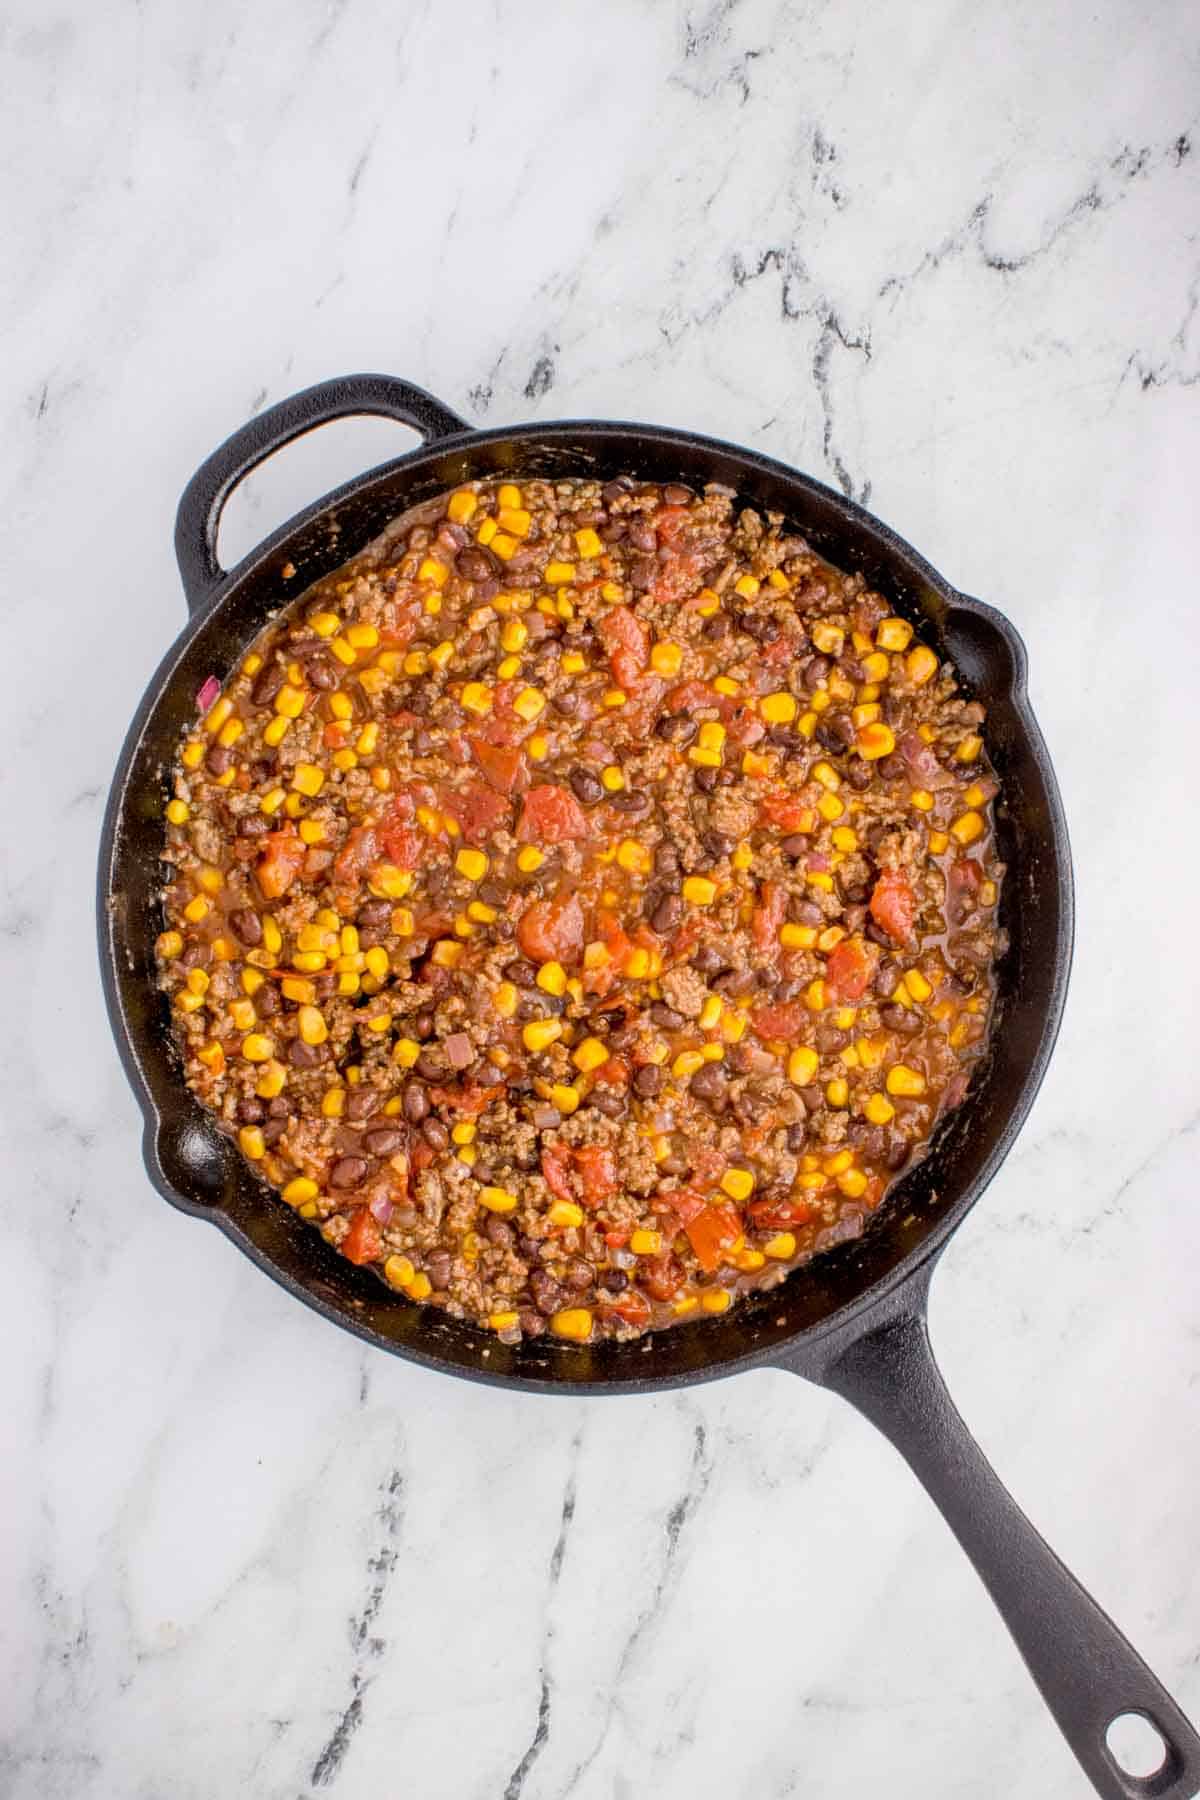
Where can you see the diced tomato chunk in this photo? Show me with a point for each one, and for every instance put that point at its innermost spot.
(782, 1214)
(787, 811)
(684, 1202)
(556, 1169)
(627, 642)
(711, 1233)
(631, 1306)
(769, 914)
(502, 764)
(894, 906)
(552, 930)
(281, 860)
(778, 1022)
(597, 1167)
(364, 1241)
(849, 969)
(551, 815)
(661, 1276)
(478, 809)
(687, 694)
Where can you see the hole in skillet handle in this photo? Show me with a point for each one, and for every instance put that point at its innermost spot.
(1138, 1748)
(199, 516)
(193, 1162)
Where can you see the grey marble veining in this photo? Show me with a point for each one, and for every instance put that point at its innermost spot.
(949, 260)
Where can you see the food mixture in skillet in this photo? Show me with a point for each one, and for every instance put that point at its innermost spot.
(583, 904)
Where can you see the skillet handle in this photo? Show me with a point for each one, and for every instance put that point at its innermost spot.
(1088, 1673)
(204, 497)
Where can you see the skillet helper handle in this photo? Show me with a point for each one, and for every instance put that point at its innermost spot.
(204, 497)
(1088, 1673)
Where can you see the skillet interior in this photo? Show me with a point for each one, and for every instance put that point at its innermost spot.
(195, 1167)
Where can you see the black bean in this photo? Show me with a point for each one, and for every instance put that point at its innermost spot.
(647, 1080)
(614, 1281)
(675, 1164)
(859, 775)
(483, 1171)
(267, 683)
(267, 1002)
(615, 490)
(668, 914)
(361, 1102)
(531, 1325)
(498, 1232)
(476, 564)
(667, 1017)
(797, 1137)
(567, 702)
(749, 1106)
(897, 1152)
(578, 1275)
(716, 844)
(607, 1102)
(520, 971)
(438, 1267)
(321, 672)
(585, 786)
(383, 1140)
(835, 732)
(707, 960)
(548, 1296)
(899, 1019)
(676, 728)
(675, 494)
(829, 1038)
(643, 572)
(709, 1085)
(250, 1110)
(254, 825)
(246, 925)
(436, 1135)
(302, 1055)
(631, 802)
(423, 1025)
(805, 912)
(613, 531)
(706, 780)
(415, 1103)
(280, 1107)
(430, 1066)
(348, 1172)
(892, 768)
(374, 912)
(642, 535)
(218, 760)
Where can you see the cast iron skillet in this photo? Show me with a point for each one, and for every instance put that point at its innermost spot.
(853, 1321)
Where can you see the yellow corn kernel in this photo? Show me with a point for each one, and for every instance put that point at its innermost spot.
(169, 944)
(333, 1102)
(441, 653)
(917, 985)
(289, 701)
(539, 1034)
(845, 839)
(711, 735)
(879, 1110)
(300, 1189)
(529, 704)
(869, 1051)
(508, 495)
(874, 741)
(362, 637)
(559, 573)
(646, 1243)
(967, 827)
(893, 634)
(343, 650)
(197, 980)
(217, 713)
(477, 697)
(178, 812)
(197, 909)
(295, 987)
(778, 709)
(513, 519)
(710, 1012)
(830, 807)
(975, 795)
(446, 953)
(849, 1057)
(242, 1015)
(686, 1064)
(698, 890)
(802, 1065)
(666, 658)
(463, 1133)
(251, 1144)
(257, 1048)
(574, 1323)
(461, 505)
(747, 586)
(864, 715)
(839, 1160)
(590, 1054)
(704, 759)
(633, 856)
(938, 843)
(797, 937)
(565, 1215)
(471, 863)
(969, 749)
(552, 977)
(743, 855)
(782, 1247)
(313, 1028)
(837, 1091)
(275, 732)
(748, 1261)
(852, 1183)
(712, 1052)
(716, 1300)
(920, 664)
(902, 1080)
(614, 697)
(829, 639)
(188, 1002)
(816, 996)
(341, 706)
(498, 1199)
(738, 1183)
(192, 755)
(588, 544)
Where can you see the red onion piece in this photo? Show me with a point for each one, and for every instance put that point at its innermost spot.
(818, 863)
(381, 1208)
(459, 1050)
(209, 689)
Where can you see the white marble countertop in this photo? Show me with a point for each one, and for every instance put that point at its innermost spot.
(947, 259)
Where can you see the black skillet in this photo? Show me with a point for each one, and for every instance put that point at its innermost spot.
(853, 1321)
